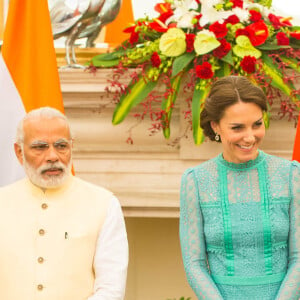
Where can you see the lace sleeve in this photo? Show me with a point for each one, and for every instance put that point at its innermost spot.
(193, 242)
(290, 287)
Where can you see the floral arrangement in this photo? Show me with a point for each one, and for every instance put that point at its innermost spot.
(204, 40)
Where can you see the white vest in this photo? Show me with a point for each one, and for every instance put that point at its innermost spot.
(48, 240)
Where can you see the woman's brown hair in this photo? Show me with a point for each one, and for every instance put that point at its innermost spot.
(225, 92)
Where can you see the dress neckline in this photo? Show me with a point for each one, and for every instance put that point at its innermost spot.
(241, 166)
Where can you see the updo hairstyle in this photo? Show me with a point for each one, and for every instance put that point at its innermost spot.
(225, 92)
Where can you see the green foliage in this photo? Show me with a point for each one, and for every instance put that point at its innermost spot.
(181, 62)
(138, 91)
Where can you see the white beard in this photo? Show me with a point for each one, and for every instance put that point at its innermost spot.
(52, 181)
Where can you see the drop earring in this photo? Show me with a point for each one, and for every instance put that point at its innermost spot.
(217, 138)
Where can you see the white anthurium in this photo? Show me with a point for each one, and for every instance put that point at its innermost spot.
(242, 14)
(210, 14)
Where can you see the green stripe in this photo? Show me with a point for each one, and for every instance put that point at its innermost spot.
(265, 206)
(226, 222)
(257, 280)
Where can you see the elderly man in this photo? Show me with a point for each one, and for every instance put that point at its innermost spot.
(61, 237)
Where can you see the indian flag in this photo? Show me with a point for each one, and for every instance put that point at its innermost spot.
(28, 75)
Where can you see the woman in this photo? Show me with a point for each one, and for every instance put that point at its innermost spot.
(240, 211)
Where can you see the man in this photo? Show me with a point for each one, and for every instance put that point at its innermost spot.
(61, 237)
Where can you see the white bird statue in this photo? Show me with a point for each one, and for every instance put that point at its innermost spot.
(70, 18)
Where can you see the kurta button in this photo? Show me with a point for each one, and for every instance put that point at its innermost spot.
(40, 287)
(40, 260)
(44, 206)
(41, 232)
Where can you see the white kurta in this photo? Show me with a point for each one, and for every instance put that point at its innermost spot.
(64, 244)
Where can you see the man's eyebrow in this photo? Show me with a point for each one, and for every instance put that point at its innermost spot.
(62, 140)
(39, 142)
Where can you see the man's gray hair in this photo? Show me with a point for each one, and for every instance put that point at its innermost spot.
(45, 112)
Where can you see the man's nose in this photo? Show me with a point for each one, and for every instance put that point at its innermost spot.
(51, 154)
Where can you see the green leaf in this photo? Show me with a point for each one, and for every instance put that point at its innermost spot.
(104, 63)
(270, 47)
(292, 63)
(224, 70)
(111, 56)
(137, 92)
(295, 28)
(228, 58)
(295, 44)
(181, 62)
(197, 104)
(267, 3)
(168, 104)
(266, 118)
(276, 76)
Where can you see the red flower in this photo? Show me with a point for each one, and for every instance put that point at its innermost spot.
(190, 38)
(197, 25)
(241, 31)
(258, 33)
(237, 3)
(248, 64)
(134, 35)
(155, 60)
(282, 39)
(232, 20)
(295, 35)
(255, 16)
(204, 71)
(163, 7)
(278, 22)
(220, 30)
(223, 49)
(158, 26)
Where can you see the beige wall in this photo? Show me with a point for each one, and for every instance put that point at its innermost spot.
(155, 267)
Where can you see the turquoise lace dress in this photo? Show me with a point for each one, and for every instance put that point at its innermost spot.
(240, 229)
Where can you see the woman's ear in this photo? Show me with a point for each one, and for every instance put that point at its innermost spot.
(215, 126)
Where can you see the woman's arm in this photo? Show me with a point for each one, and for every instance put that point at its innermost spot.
(290, 287)
(193, 242)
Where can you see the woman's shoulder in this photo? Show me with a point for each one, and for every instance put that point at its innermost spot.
(277, 160)
(201, 168)
(277, 164)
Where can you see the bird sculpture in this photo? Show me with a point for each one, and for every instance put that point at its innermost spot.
(69, 19)
(108, 13)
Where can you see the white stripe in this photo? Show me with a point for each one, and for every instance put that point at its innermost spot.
(11, 112)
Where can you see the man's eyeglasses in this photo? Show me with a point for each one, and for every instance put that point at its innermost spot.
(61, 146)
